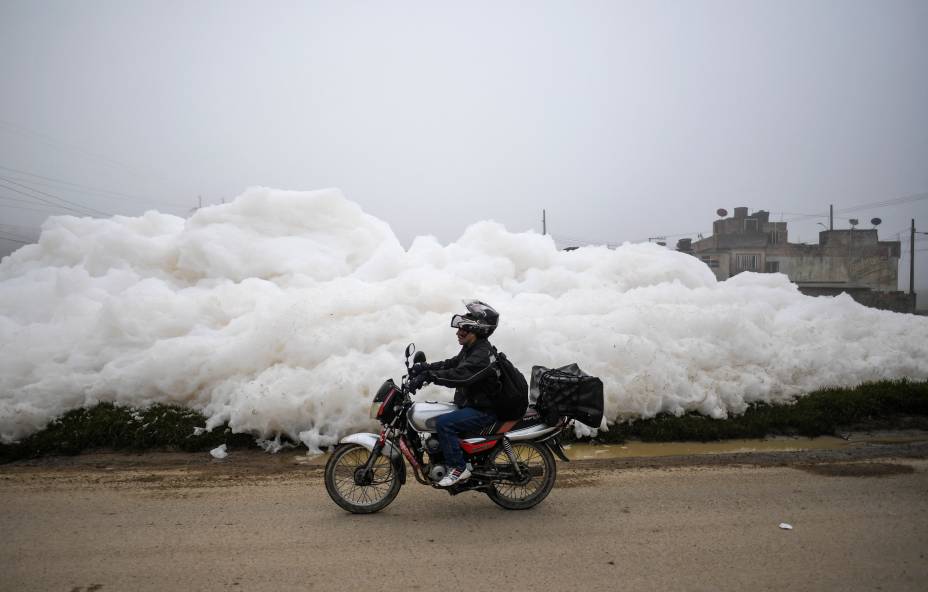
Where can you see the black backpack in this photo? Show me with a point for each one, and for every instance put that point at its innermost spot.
(512, 400)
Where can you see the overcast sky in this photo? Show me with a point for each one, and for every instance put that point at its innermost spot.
(624, 120)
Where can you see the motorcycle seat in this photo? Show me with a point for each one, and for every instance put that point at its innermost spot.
(500, 427)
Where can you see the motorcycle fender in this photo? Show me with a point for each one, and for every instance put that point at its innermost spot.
(368, 440)
(554, 445)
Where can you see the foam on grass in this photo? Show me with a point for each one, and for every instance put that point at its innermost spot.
(282, 312)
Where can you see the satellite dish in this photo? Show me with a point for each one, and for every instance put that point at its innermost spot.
(875, 221)
(722, 212)
(854, 221)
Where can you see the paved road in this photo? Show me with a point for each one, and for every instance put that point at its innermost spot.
(253, 522)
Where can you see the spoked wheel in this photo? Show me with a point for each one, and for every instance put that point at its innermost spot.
(539, 471)
(352, 488)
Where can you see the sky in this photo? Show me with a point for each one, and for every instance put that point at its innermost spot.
(622, 120)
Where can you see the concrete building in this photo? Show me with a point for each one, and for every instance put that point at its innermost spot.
(848, 260)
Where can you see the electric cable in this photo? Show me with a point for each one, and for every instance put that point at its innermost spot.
(16, 199)
(15, 240)
(49, 140)
(4, 205)
(32, 189)
(889, 202)
(877, 204)
(38, 201)
(95, 191)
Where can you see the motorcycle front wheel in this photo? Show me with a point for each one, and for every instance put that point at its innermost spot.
(539, 471)
(354, 491)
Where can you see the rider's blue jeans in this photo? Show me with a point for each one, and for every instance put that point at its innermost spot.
(451, 424)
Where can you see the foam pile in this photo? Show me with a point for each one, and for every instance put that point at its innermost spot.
(282, 312)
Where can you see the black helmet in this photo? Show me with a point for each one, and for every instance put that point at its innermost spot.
(480, 318)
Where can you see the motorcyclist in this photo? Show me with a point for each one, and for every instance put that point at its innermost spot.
(475, 378)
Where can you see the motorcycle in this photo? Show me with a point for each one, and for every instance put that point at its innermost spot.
(512, 462)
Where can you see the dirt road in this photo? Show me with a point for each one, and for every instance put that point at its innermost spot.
(259, 522)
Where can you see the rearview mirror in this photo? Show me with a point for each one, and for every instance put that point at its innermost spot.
(409, 349)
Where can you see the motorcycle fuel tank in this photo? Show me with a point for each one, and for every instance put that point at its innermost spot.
(422, 415)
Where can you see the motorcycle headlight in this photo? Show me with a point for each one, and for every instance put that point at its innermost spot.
(382, 407)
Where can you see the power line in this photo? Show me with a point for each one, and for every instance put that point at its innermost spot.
(666, 236)
(19, 232)
(16, 199)
(3, 236)
(84, 188)
(3, 205)
(806, 216)
(19, 226)
(18, 129)
(888, 202)
(885, 203)
(59, 198)
(43, 201)
(614, 244)
(32, 189)
(583, 241)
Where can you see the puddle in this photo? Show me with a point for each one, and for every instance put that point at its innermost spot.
(583, 451)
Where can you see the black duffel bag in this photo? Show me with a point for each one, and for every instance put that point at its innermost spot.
(567, 391)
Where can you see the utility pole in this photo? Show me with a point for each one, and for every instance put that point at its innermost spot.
(831, 217)
(544, 223)
(912, 265)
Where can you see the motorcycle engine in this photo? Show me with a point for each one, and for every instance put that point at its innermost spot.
(432, 446)
(437, 472)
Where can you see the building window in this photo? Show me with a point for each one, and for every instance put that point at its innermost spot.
(746, 262)
(772, 267)
(710, 261)
(775, 237)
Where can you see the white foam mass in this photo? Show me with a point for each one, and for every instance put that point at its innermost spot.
(282, 312)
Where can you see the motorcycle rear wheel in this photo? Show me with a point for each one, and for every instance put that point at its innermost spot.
(343, 488)
(538, 462)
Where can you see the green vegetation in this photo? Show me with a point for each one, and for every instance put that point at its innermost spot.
(122, 428)
(879, 405)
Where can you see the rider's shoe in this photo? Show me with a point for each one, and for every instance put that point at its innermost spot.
(454, 476)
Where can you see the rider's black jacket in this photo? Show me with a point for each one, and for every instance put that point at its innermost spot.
(472, 374)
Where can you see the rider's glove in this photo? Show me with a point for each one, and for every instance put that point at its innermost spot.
(417, 369)
(417, 382)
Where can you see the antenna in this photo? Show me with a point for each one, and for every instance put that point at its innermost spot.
(854, 222)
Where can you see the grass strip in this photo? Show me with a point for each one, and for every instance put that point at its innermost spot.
(900, 404)
(123, 428)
